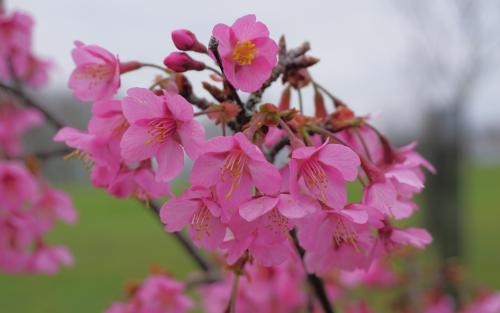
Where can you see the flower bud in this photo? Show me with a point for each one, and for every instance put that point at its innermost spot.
(181, 62)
(185, 40)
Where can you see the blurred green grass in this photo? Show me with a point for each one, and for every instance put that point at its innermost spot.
(116, 241)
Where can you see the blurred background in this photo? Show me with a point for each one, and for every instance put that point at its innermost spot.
(430, 68)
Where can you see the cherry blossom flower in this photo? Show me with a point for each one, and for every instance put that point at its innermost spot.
(247, 53)
(233, 164)
(197, 207)
(346, 238)
(157, 294)
(275, 289)
(97, 73)
(160, 126)
(322, 172)
(18, 187)
(14, 122)
(15, 36)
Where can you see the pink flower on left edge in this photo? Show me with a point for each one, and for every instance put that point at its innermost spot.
(97, 73)
(247, 53)
(160, 127)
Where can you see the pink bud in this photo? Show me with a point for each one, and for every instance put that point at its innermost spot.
(185, 40)
(181, 62)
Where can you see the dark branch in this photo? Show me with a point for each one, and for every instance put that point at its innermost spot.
(316, 283)
(29, 102)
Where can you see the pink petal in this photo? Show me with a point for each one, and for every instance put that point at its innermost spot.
(265, 176)
(135, 146)
(342, 158)
(247, 27)
(179, 107)
(170, 158)
(417, 237)
(177, 212)
(255, 208)
(207, 169)
(141, 103)
(192, 136)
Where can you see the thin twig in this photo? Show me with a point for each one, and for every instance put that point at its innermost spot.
(31, 103)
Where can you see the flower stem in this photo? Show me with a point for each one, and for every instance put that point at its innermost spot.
(301, 101)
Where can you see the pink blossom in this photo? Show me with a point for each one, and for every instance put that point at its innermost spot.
(322, 172)
(346, 238)
(379, 274)
(160, 126)
(107, 120)
(233, 164)
(275, 289)
(18, 187)
(14, 122)
(247, 53)
(160, 294)
(16, 235)
(53, 205)
(391, 238)
(185, 40)
(49, 259)
(97, 73)
(197, 207)
(15, 36)
(139, 183)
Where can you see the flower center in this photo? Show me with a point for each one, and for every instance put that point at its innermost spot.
(315, 177)
(97, 72)
(200, 221)
(233, 167)
(84, 157)
(160, 129)
(343, 234)
(244, 52)
(277, 223)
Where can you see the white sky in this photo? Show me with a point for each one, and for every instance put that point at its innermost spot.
(361, 43)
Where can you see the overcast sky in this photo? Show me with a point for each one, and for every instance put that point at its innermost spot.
(362, 44)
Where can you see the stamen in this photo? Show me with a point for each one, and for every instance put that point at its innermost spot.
(344, 234)
(244, 52)
(234, 166)
(277, 223)
(160, 129)
(81, 155)
(315, 177)
(200, 221)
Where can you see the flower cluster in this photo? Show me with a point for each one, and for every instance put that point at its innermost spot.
(29, 206)
(156, 294)
(240, 203)
(28, 211)
(17, 61)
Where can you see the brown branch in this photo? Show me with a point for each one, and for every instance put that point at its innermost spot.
(315, 282)
(29, 102)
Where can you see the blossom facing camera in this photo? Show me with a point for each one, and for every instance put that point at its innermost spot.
(247, 53)
(97, 73)
(181, 62)
(185, 40)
